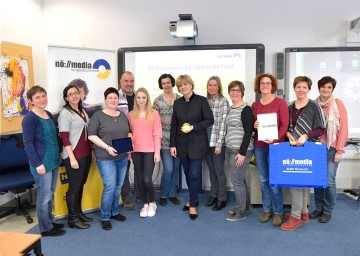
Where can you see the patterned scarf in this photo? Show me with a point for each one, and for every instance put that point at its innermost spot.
(333, 119)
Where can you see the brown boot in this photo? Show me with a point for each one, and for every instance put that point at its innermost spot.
(277, 220)
(265, 217)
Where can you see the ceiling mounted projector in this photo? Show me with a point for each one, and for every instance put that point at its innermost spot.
(185, 27)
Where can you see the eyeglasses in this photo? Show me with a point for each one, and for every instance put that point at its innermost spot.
(73, 94)
(265, 83)
(235, 91)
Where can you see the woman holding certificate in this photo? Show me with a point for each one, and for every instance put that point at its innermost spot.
(146, 134)
(307, 123)
(105, 126)
(271, 117)
(335, 138)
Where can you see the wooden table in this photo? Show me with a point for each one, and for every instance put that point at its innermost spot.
(19, 244)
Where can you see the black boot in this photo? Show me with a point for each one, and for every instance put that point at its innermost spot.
(73, 219)
(81, 215)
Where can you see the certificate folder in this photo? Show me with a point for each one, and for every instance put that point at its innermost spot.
(122, 145)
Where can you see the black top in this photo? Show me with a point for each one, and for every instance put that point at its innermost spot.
(197, 113)
(130, 100)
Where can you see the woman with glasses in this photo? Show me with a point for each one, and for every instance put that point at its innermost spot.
(76, 154)
(272, 200)
(239, 147)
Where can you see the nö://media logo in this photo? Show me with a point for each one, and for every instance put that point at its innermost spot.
(101, 66)
(298, 162)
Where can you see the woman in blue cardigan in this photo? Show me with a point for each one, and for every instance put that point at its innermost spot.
(41, 147)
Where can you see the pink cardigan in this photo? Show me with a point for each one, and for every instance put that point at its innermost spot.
(146, 138)
(342, 134)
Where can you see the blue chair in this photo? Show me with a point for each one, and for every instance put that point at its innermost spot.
(15, 176)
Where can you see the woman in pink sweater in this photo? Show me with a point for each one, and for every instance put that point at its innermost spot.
(146, 129)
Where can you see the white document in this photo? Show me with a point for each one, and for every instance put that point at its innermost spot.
(268, 126)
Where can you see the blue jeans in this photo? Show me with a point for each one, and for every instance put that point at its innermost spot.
(193, 173)
(325, 198)
(170, 174)
(112, 173)
(45, 188)
(218, 181)
(272, 198)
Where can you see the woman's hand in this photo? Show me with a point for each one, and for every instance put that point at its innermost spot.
(268, 141)
(217, 150)
(290, 137)
(239, 160)
(173, 151)
(74, 163)
(186, 128)
(256, 124)
(337, 157)
(301, 140)
(129, 156)
(41, 169)
(93, 157)
(157, 158)
(111, 151)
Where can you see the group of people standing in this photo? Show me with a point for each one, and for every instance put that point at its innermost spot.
(179, 130)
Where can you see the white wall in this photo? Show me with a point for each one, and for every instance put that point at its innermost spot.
(111, 24)
(21, 22)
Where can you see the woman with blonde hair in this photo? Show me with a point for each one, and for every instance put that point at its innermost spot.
(146, 129)
(191, 116)
(215, 155)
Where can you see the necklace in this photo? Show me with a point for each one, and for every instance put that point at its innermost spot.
(41, 114)
(169, 100)
(114, 115)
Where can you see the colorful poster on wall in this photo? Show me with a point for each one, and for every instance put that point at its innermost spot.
(14, 82)
(94, 68)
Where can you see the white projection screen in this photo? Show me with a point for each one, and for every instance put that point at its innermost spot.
(341, 63)
(229, 62)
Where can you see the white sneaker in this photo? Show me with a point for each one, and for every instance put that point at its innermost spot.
(152, 209)
(144, 211)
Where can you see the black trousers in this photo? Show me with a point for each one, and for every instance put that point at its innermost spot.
(77, 177)
(144, 168)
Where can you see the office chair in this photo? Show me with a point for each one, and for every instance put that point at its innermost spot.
(15, 176)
